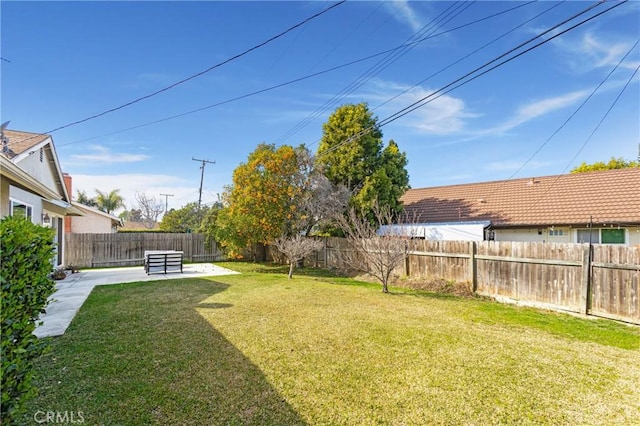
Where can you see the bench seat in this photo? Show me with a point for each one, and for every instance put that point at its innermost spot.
(163, 262)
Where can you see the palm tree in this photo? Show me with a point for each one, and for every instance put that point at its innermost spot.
(109, 202)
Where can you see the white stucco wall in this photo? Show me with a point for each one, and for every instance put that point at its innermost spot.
(91, 224)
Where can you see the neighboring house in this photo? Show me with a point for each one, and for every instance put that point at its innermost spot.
(140, 226)
(93, 221)
(602, 207)
(31, 183)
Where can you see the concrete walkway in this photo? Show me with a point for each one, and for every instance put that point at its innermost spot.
(71, 292)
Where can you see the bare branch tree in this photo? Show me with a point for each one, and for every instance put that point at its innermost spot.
(375, 251)
(296, 248)
(150, 209)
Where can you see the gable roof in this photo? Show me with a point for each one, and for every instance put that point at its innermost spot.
(17, 146)
(16, 142)
(609, 197)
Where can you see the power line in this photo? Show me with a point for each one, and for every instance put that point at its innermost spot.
(457, 83)
(593, 92)
(473, 52)
(184, 80)
(595, 129)
(375, 69)
(296, 80)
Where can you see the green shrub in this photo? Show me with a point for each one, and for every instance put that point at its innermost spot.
(25, 264)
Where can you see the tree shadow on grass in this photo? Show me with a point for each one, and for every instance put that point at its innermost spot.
(142, 354)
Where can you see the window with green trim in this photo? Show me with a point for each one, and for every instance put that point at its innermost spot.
(613, 236)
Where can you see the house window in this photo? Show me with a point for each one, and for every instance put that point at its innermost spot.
(41, 154)
(613, 236)
(583, 236)
(21, 209)
(556, 232)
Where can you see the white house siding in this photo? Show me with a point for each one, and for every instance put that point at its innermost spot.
(524, 235)
(43, 171)
(569, 235)
(91, 224)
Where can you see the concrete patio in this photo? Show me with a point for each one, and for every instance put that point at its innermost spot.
(71, 292)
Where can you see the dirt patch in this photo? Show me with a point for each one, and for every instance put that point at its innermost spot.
(436, 285)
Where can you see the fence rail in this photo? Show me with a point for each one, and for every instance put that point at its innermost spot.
(127, 249)
(603, 280)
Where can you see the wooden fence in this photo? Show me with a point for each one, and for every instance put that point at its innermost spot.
(603, 280)
(127, 249)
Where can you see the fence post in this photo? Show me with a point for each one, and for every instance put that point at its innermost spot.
(473, 272)
(585, 298)
(406, 259)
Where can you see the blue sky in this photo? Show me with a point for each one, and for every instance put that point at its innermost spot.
(65, 61)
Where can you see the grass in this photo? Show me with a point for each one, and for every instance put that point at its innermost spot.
(258, 348)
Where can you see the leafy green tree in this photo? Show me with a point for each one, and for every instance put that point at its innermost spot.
(260, 204)
(83, 198)
(614, 163)
(351, 153)
(133, 215)
(186, 219)
(109, 202)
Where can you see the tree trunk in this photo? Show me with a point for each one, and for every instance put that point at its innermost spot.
(385, 288)
(291, 264)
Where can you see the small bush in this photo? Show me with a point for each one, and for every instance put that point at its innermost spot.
(25, 265)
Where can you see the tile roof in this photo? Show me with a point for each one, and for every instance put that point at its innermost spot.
(609, 196)
(19, 142)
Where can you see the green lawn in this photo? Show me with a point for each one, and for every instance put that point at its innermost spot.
(258, 348)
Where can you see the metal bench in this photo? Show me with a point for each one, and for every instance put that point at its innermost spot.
(162, 261)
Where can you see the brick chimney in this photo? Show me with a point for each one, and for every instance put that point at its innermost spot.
(68, 184)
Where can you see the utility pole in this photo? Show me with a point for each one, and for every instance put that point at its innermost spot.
(204, 163)
(166, 200)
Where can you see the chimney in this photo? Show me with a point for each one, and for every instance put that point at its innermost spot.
(68, 184)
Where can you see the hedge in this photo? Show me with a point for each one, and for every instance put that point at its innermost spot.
(26, 251)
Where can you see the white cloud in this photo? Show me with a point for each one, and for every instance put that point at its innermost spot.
(604, 54)
(444, 115)
(592, 52)
(131, 183)
(535, 109)
(404, 13)
(102, 154)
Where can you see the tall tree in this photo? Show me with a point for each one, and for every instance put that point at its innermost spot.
(186, 219)
(259, 205)
(614, 163)
(351, 153)
(109, 202)
(150, 209)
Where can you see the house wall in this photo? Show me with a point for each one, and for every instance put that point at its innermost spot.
(523, 235)
(28, 198)
(91, 224)
(39, 170)
(557, 235)
(4, 197)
